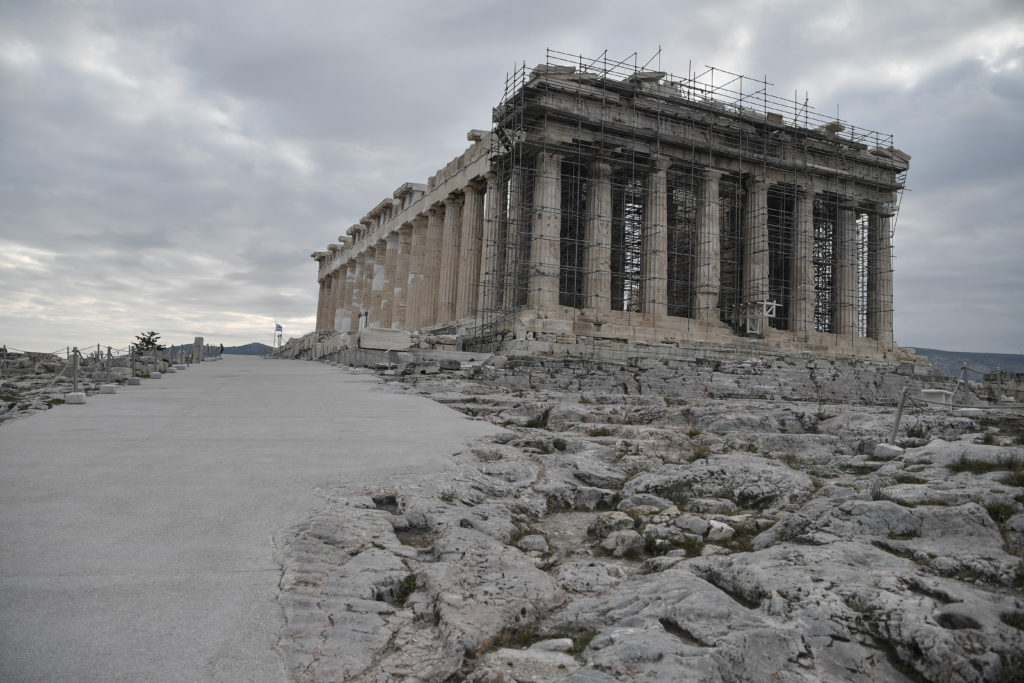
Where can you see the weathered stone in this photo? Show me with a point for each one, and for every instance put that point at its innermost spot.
(623, 543)
(533, 542)
(607, 522)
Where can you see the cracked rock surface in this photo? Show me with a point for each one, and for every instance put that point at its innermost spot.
(614, 535)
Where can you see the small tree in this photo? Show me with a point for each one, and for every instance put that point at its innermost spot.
(148, 341)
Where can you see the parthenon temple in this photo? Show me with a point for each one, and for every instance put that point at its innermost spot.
(614, 209)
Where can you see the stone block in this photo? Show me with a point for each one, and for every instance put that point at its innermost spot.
(108, 389)
(384, 340)
(75, 397)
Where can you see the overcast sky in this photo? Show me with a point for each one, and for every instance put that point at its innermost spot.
(171, 165)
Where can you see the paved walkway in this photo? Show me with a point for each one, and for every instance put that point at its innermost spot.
(136, 531)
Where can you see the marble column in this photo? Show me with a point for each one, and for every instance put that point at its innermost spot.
(432, 264)
(337, 313)
(880, 300)
(470, 246)
(547, 225)
(654, 245)
(366, 290)
(597, 259)
(401, 289)
(801, 269)
(348, 309)
(378, 284)
(492, 261)
(846, 272)
(755, 252)
(707, 268)
(321, 304)
(390, 271)
(448, 280)
(417, 282)
(517, 217)
(358, 281)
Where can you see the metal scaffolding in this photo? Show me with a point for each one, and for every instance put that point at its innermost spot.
(735, 195)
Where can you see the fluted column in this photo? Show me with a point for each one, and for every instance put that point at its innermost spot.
(547, 223)
(880, 295)
(347, 308)
(414, 313)
(448, 281)
(597, 258)
(378, 284)
(654, 245)
(470, 245)
(755, 252)
(513, 288)
(401, 288)
(321, 305)
(366, 292)
(492, 261)
(337, 313)
(390, 270)
(801, 273)
(432, 265)
(846, 271)
(356, 305)
(707, 267)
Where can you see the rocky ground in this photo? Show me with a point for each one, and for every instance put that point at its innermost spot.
(33, 382)
(611, 534)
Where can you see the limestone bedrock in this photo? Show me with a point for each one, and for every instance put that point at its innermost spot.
(138, 533)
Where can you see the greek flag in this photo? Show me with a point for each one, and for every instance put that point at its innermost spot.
(278, 328)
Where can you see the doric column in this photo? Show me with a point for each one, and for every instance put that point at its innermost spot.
(321, 304)
(654, 245)
(514, 285)
(470, 246)
(451, 235)
(390, 271)
(801, 268)
(366, 289)
(492, 261)
(415, 302)
(337, 313)
(356, 300)
(598, 240)
(432, 264)
(880, 303)
(755, 252)
(401, 289)
(846, 271)
(378, 284)
(707, 267)
(347, 314)
(547, 225)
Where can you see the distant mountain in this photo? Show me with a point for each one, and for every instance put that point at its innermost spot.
(950, 362)
(253, 349)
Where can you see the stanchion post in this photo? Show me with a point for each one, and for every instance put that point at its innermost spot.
(109, 387)
(76, 396)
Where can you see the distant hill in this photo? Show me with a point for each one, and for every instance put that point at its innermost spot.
(253, 349)
(951, 361)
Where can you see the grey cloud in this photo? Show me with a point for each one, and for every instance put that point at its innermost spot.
(284, 123)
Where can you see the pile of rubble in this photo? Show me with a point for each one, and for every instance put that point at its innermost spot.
(618, 531)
